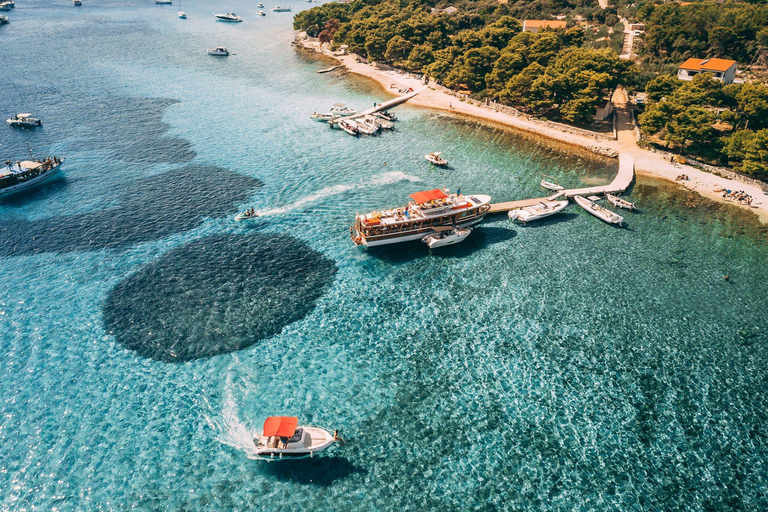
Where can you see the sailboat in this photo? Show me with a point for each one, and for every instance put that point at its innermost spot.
(182, 14)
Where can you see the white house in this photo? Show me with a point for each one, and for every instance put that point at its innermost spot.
(721, 69)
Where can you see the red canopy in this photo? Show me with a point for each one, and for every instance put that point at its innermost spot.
(281, 426)
(428, 195)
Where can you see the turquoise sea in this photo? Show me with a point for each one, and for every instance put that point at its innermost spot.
(145, 336)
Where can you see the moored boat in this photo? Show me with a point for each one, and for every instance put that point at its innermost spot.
(538, 211)
(230, 16)
(316, 116)
(27, 173)
(436, 159)
(550, 185)
(248, 214)
(445, 235)
(620, 203)
(382, 121)
(598, 211)
(340, 110)
(365, 127)
(349, 126)
(283, 437)
(24, 121)
(419, 218)
(219, 51)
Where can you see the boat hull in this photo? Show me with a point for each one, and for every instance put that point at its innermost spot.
(31, 182)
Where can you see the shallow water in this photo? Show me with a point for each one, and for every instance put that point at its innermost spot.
(561, 365)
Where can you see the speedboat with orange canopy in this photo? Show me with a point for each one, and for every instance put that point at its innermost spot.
(282, 437)
(420, 217)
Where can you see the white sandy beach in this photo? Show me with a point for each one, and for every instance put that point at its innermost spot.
(646, 162)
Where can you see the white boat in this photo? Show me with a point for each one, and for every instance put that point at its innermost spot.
(4, 20)
(598, 211)
(182, 15)
(339, 109)
(550, 185)
(277, 8)
(24, 121)
(261, 13)
(261, 5)
(248, 214)
(621, 203)
(7, 6)
(24, 174)
(389, 116)
(427, 210)
(283, 437)
(219, 51)
(436, 159)
(230, 16)
(316, 116)
(364, 127)
(445, 235)
(384, 122)
(349, 126)
(538, 211)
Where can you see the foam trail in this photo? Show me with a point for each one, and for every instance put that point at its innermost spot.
(382, 179)
(232, 431)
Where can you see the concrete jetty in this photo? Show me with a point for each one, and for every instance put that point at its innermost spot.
(387, 104)
(620, 183)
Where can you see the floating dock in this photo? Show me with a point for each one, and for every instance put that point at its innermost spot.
(620, 183)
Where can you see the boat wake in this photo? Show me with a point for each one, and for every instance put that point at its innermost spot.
(383, 179)
(232, 430)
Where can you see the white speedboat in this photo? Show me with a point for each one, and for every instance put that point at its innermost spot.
(436, 159)
(24, 174)
(551, 185)
(260, 6)
(219, 51)
(598, 211)
(349, 126)
(538, 211)
(4, 20)
(24, 121)
(445, 235)
(230, 16)
(283, 437)
(248, 214)
(261, 13)
(621, 203)
(427, 210)
(182, 15)
(277, 8)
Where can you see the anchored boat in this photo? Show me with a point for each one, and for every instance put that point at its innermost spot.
(24, 121)
(277, 8)
(282, 437)
(219, 51)
(538, 211)
(598, 211)
(445, 235)
(436, 159)
(620, 203)
(428, 210)
(230, 16)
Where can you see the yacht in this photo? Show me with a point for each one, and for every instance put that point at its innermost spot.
(219, 51)
(445, 235)
(230, 16)
(277, 8)
(283, 437)
(426, 211)
(24, 121)
(537, 211)
(27, 173)
(598, 211)
(436, 159)
(620, 203)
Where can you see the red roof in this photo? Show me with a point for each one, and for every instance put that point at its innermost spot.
(428, 195)
(281, 426)
(707, 64)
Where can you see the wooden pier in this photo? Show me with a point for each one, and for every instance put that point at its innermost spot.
(620, 183)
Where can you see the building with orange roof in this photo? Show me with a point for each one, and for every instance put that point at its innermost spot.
(721, 69)
(536, 25)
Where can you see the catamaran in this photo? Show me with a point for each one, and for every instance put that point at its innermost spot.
(538, 211)
(24, 174)
(417, 219)
(282, 437)
(598, 211)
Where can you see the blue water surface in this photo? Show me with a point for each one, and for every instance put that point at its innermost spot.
(563, 365)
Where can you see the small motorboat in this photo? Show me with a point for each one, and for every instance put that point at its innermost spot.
(384, 122)
(230, 16)
(282, 437)
(24, 121)
(389, 116)
(349, 126)
(436, 159)
(4, 20)
(219, 51)
(340, 110)
(538, 211)
(7, 6)
(620, 203)
(598, 211)
(366, 128)
(261, 13)
(446, 235)
(77, 3)
(182, 15)
(248, 214)
(277, 8)
(164, 2)
(550, 185)
(316, 116)
(261, 5)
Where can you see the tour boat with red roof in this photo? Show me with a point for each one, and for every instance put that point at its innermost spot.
(282, 437)
(428, 210)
